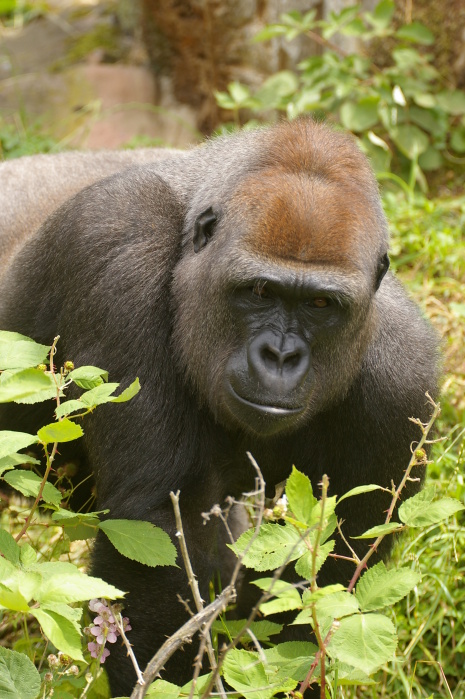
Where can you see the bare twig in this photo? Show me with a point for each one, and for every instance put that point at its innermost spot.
(119, 623)
(183, 635)
(193, 584)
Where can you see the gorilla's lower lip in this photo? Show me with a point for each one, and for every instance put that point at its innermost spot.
(266, 409)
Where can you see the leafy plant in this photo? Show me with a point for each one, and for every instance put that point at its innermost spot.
(51, 591)
(407, 119)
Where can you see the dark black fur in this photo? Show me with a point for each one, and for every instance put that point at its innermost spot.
(115, 274)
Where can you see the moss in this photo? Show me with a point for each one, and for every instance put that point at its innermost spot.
(106, 38)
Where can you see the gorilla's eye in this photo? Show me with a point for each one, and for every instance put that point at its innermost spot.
(259, 289)
(319, 302)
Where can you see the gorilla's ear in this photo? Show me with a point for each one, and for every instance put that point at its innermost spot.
(383, 266)
(204, 228)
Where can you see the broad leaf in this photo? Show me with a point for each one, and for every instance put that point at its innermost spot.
(11, 442)
(304, 566)
(64, 431)
(358, 491)
(421, 511)
(28, 484)
(74, 587)
(88, 377)
(300, 496)
(140, 541)
(31, 384)
(8, 547)
(63, 633)
(379, 587)
(417, 32)
(247, 675)
(262, 630)
(19, 678)
(286, 596)
(274, 546)
(293, 658)
(22, 354)
(365, 641)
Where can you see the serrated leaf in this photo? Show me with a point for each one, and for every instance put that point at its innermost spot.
(27, 555)
(415, 31)
(11, 442)
(365, 641)
(380, 530)
(68, 407)
(9, 548)
(31, 384)
(262, 630)
(64, 431)
(128, 393)
(287, 597)
(337, 605)
(303, 567)
(28, 484)
(71, 587)
(300, 497)
(19, 678)
(88, 377)
(140, 541)
(17, 460)
(379, 587)
(63, 633)
(246, 674)
(98, 395)
(292, 658)
(421, 511)
(8, 336)
(274, 546)
(361, 488)
(163, 690)
(22, 354)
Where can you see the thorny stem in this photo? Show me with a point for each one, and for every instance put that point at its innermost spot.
(193, 584)
(414, 461)
(119, 624)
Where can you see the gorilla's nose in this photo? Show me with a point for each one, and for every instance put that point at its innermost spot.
(279, 358)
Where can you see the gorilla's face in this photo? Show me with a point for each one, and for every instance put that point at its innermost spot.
(276, 318)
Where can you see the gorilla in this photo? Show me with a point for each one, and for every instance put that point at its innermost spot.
(246, 283)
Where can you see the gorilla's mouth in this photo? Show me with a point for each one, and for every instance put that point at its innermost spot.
(274, 410)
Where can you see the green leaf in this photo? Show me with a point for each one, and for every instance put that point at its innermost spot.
(262, 630)
(163, 690)
(380, 530)
(88, 377)
(74, 586)
(292, 658)
(64, 431)
(410, 140)
(379, 587)
(300, 496)
(421, 511)
(286, 596)
(11, 442)
(457, 140)
(28, 555)
(22, 354)
(431, 160)
(452, 101)
(63, 633)
(8, 547)
(358, 491)
(365, 641)
(28, 484)
(19, 678)
(361, 115)
(98, 395)
(247, 675)
(274, 546)
(32, 384)
(416, 32)
(140, 541)
(68, 407)
(128, 392)
(337, 605)
(381, 17)
(303, 567)
(17, 460)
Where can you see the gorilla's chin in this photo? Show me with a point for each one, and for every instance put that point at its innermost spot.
(259, 418)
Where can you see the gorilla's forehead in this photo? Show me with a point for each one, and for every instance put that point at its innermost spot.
(305, 218)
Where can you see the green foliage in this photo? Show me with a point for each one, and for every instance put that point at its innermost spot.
(406, 117)
(51, 591)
